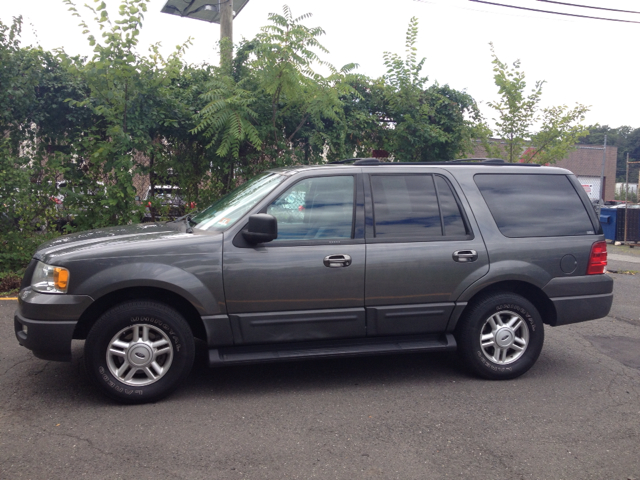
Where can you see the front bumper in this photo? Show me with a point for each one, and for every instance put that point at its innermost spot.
(45, 323)
(47, 340)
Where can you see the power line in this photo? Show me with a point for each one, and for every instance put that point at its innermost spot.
(588, 6)
(552, 12)
(479, 9)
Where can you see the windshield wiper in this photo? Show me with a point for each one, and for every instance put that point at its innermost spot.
(189, 223)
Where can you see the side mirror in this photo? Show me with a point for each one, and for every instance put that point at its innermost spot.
(262, 228)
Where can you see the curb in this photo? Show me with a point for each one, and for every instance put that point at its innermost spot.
(623, 258)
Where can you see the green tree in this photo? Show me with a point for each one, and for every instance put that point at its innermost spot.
(626, 139)
(518, 113)
(32, 122)
(138, 106)
(413, 121)
(271, 108)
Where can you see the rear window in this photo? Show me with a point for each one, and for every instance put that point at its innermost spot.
(534, 205)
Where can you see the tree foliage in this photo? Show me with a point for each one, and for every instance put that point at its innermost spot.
(626, 139)
(519, 113)
(273, 108)
(424, 123)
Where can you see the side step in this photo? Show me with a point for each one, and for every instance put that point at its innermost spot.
(330, 348)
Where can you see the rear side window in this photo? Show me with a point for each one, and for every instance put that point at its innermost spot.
(451, 215)
(415, 207)
(534, 205)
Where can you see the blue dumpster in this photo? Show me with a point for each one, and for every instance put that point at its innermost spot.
(609, 222)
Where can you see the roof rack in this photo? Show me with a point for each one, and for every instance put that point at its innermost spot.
(462, 161)
(494, 161)
(358, 161)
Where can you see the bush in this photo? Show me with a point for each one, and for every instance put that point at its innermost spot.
(17, 248)
(9, 281)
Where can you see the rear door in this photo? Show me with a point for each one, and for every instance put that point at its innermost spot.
(423, 249)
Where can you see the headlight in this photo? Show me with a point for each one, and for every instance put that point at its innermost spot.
(50, 279)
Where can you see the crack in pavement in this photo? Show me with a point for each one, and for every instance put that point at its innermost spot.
(15, 365)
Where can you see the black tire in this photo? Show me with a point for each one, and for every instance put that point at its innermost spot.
(501, 336)
(155, 365)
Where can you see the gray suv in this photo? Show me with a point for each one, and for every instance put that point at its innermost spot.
(358, 257)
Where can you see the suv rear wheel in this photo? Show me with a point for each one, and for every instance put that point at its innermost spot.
(139, 351)
(501, 336)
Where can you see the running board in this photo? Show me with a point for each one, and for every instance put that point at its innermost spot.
(330, 348)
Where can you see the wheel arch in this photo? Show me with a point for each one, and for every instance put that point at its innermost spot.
(166, 297)
(532, 293)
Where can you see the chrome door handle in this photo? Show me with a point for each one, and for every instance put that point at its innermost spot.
(465, 256)
(335, 261)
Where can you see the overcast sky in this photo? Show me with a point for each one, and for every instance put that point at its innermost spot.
(593, 62)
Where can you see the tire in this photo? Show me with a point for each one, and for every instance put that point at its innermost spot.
(139, 351)
(500, 337)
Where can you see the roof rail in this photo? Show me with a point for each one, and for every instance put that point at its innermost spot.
(478, 160)
(462, 161)
(358, 161)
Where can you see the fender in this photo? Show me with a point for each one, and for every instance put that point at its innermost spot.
(146, 274)
(507, 270)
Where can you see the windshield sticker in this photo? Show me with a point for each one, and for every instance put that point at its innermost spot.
(224, 221)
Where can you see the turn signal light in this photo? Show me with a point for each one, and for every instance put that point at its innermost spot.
(60, 278)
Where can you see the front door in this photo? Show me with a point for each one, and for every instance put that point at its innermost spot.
(308, 284)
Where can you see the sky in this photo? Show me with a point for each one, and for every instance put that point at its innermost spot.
(586, 61)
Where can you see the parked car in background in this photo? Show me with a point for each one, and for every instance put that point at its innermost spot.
(354, 258)
(164, 202)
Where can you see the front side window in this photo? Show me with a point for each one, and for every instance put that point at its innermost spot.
(315, 209)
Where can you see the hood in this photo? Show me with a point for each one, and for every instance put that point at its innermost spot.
(111, 241)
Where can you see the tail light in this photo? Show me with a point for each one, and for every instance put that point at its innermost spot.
(597, 259)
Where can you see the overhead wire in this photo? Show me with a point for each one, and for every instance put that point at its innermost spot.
(479, 9)
(517, 7)
(589, 6)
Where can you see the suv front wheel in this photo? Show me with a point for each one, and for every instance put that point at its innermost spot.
(501, 336)
(139, 351)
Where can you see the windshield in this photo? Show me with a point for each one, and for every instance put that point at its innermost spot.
(229, 209)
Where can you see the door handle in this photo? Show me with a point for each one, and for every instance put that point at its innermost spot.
(335, 261)
(465, 256)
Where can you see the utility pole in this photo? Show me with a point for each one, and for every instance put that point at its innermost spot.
(213, 11)
(604, 160)
(226, 31)
(626, 194)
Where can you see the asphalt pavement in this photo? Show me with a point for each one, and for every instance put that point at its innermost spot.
(575, 415)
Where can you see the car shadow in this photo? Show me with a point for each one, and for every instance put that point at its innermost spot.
(322, 374)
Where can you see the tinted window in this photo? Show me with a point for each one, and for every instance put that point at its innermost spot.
(405, 206)
(315, 208)
(534, 205)
(451, 216)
